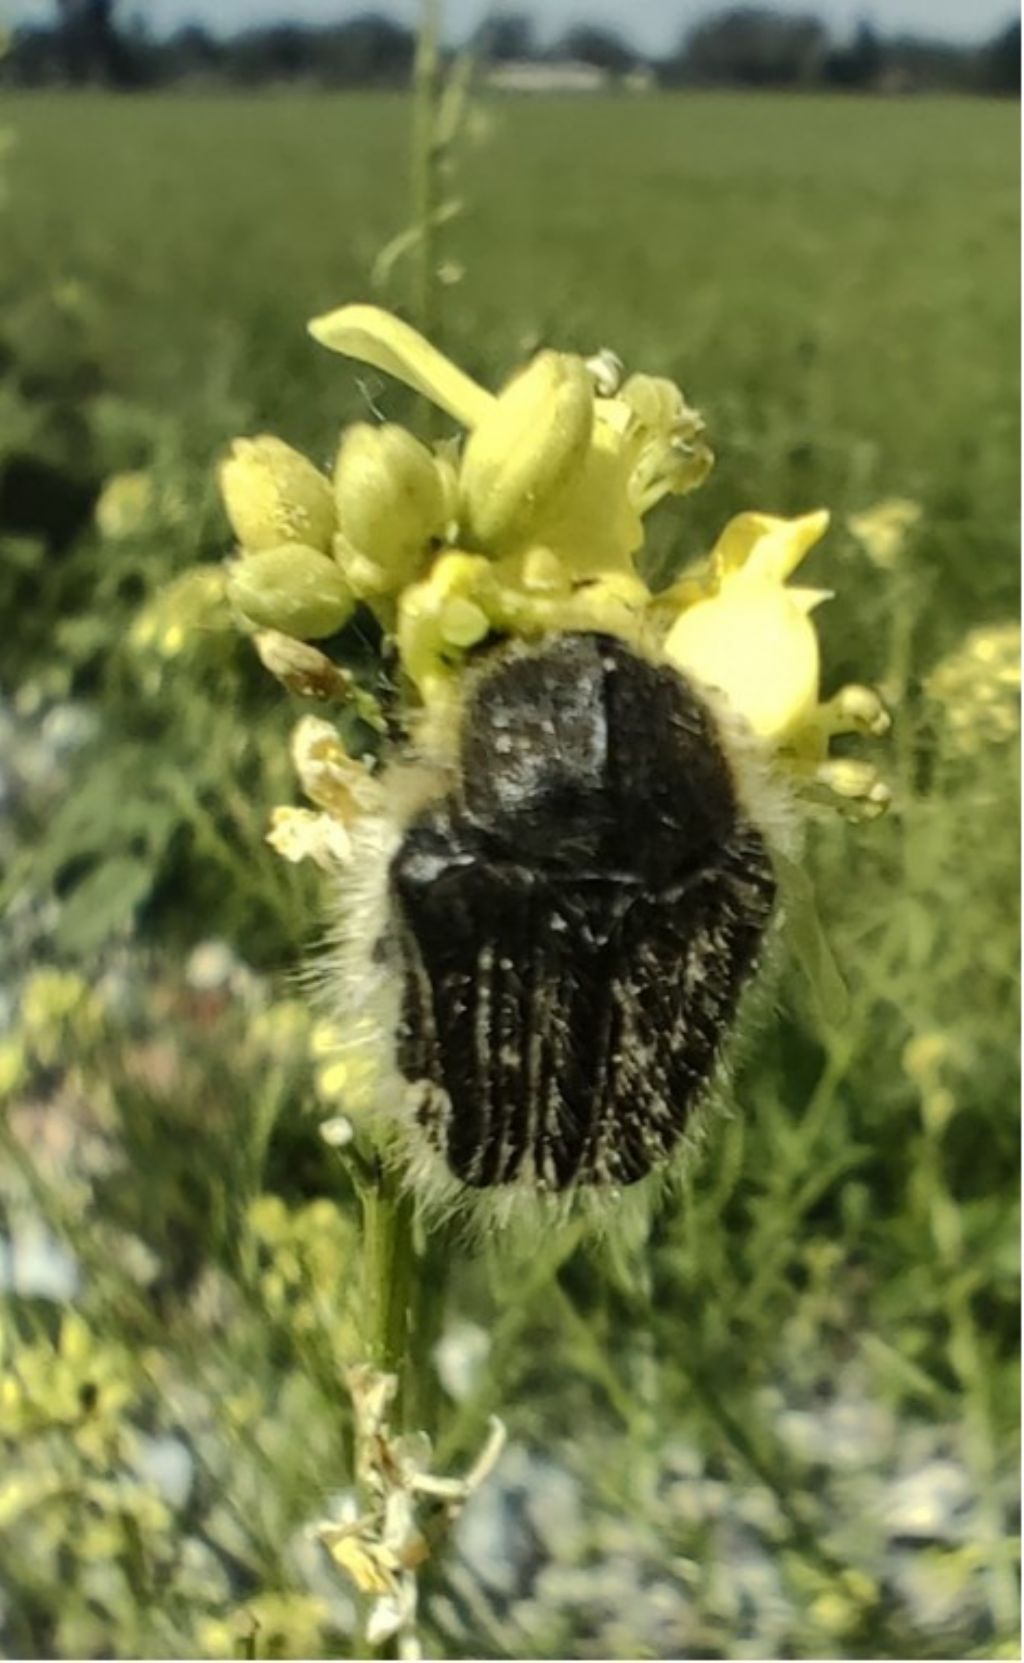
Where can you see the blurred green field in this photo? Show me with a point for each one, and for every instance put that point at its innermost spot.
(787, 1426)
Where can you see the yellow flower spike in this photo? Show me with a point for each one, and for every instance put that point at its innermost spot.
(275, 495)
(756, 645)
(392, 503)
(375, 337)
(293, 589)
(807, 600)
(531, 445)
(767, 546)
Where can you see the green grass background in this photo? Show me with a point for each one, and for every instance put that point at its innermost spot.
(833, 282)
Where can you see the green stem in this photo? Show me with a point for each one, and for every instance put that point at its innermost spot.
(426, 73)
(388, 1267)
(426, 1326)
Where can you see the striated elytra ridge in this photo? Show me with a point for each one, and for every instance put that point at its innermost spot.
(576, 920)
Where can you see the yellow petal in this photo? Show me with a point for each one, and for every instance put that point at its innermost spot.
(377, 338)
(757, 648)
(766, 546)
(591, 525)
(364, 1563)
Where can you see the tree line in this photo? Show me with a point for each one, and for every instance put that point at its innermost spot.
(89, 43)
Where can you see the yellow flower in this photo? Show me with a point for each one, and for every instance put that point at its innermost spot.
(740, 629)
(429, 645)
(752, 638)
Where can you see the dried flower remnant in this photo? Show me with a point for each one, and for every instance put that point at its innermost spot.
(391, 1533)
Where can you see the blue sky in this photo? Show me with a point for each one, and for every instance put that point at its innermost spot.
(652, 24)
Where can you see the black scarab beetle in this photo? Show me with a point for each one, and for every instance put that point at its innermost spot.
(575, 920)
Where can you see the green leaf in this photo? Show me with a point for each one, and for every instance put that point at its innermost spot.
(810, 944)
(104, 903)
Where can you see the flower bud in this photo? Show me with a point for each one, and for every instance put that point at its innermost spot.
(463, 623)
(856, 784)
(293, 589)
(125, 505)
(391, 503)
(273, 495)
(531, 444)
(428, 618)
(658, 404)
(189, 608)
(857, 709)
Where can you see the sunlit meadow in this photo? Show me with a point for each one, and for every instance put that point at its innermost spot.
(786, 1425)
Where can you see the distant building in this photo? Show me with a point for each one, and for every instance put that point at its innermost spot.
(527, 76)
(640, 79)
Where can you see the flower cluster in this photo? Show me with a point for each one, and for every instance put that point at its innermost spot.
(977, 689)
(530, 524)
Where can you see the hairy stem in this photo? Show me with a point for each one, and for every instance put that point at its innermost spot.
(404, 1289)
(426, 87)
(389, 1265)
